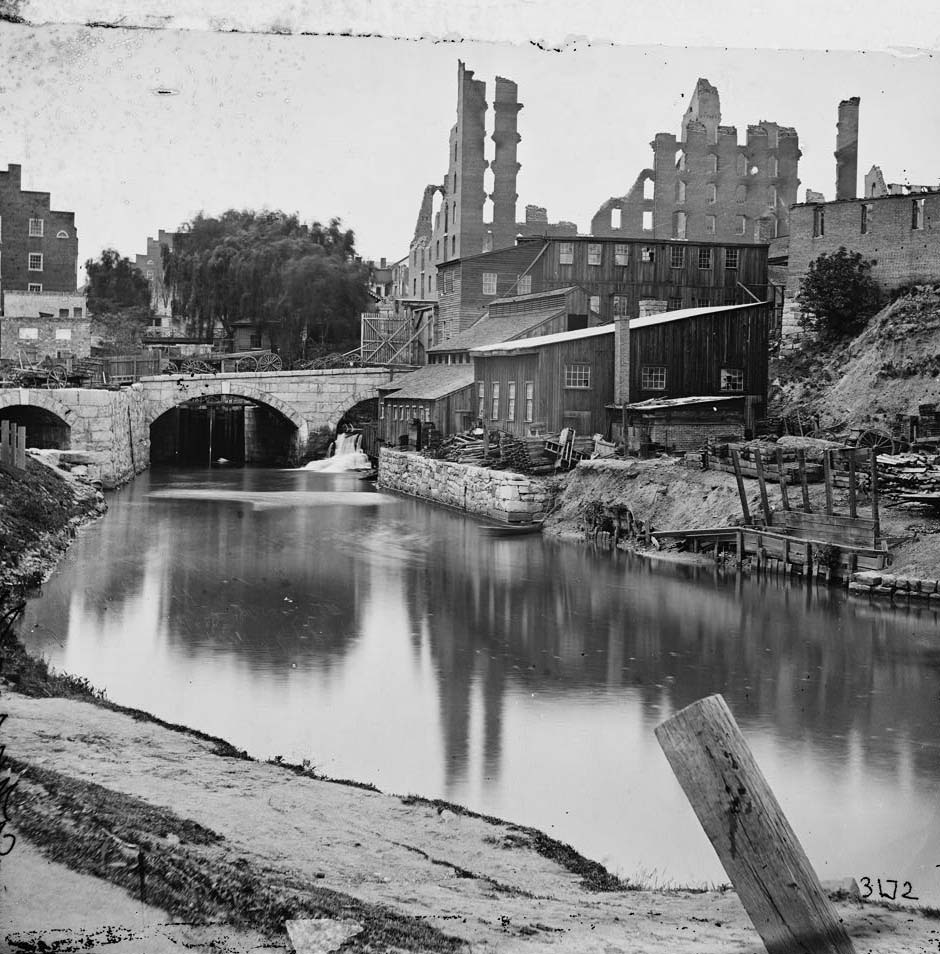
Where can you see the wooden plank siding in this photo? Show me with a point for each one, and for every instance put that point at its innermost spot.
(554, 405)
(450, 414)
(694, 350)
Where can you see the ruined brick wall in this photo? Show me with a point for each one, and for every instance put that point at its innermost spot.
(58, 243)
(902, 254)
(150, 264)
(847, 150)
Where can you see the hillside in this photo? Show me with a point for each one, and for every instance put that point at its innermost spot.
(888, 370)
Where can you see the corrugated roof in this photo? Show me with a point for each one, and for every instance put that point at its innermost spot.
(681, 313)
(430, 382)
(490, 330)
(519, 344)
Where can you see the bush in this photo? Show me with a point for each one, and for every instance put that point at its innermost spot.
(838, 294)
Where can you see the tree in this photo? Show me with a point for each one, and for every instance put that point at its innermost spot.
(300, 282)
(838, 294)
(115, 284)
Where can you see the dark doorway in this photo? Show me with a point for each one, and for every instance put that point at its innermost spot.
(43, 428)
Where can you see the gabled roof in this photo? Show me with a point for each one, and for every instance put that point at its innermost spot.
(526, 344)
(493, 329)
(430, 382)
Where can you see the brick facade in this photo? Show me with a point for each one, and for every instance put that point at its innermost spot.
(38, 246)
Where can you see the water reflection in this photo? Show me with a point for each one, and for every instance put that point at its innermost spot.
(393, 642)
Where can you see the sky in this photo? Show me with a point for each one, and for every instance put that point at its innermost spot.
(356, 127)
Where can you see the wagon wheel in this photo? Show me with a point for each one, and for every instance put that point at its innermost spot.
(269, 362)
(881, 442)
(168, 367)
(58, 376)
(195, 366)
(248, 363)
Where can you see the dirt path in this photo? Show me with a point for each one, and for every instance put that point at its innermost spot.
(256, 844)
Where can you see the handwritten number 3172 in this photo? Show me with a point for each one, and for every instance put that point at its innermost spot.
(868, 890)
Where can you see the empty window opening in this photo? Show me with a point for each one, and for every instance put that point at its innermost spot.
(866, 217)
(620, 305)
(595, 304)
(648, 220)
(742, 225)
(819, 221)
(680, 191)
(679, 225)
(710, 224)
(616, 218)
(649, 188)
(917, 214)
(647, 254)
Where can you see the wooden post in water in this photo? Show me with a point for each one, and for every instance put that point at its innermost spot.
(782, 475)
(874, 495)
(801, 461)
(765, 506)
(736, 461)
(827, 477)
(747, 828)
(853, 511)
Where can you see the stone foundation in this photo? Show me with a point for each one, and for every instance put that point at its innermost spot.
(499, 494)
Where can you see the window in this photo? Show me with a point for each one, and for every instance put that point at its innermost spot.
(917, 214)
(866, 217)
(511, 401)
(731, 258)
(676, 256)
(819, 221)
(649, 188)
(481, 400)
(680, 191)
(710, 224)
(652, 378)
(705, 257)
(620, 305)
(647, 254)
(34, 287)
(453, 245)
(381, 410)
(732, 379)
(648, 221)
(529, 401)
(742, 225)
(772, 167)
(674, 304)
(565, 253)
(595, 303)
(679, 225)
(35, 261)
(772, 197)
(524, 285)
(254, 340)
(621, 254)
(740, 194)
(29, 334)
(427, 413)
(577, 375)
(616, 218)
(740, 164)
(63, 334)
(489, 283)
(594, 254)
(35, 228)
(711, 192)
(494, 410)
(63, 312)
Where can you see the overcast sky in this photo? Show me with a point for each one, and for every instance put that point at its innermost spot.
(355, 127)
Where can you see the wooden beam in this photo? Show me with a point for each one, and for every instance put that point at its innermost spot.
(736, 461)
(765, 505)
(827, 478)
(874, 494)
(853, 509)
(782, 475)
(801, 461)
(750, 833)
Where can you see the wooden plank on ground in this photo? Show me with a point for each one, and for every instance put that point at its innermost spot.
(765, 505)
(760, 852)
(736, 462)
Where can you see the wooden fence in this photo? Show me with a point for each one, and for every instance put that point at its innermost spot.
(12, 445)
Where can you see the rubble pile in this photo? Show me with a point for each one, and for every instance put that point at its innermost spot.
(500, 450)
(909, 476)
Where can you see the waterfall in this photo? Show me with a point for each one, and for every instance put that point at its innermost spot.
(346, 456)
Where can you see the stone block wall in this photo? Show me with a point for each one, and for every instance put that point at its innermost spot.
(499, 494)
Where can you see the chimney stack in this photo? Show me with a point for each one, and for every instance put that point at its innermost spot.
(847, 150)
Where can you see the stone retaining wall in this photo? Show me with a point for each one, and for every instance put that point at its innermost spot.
(888, 586)
(499, 494)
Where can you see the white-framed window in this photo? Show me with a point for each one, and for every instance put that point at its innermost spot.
(34, 262)
(917, 214)
(676, 256)
(595, 303)
(34, 287)
(524, 285)
(29, 334)
(731, 258)
(481, 399)
(732, 379)
(647, 253)
(577, 375)
(594, 254)
(511, 401)
(653, 377)
(621, 254)
(62, 234)
(648, 219)
(63, 334)
(710, 224)
(565, 253)
(489, 283)
(529, 401)
(705, 256)
(494, 407)
(36, 228)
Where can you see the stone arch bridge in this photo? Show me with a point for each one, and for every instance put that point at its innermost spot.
(110, 430)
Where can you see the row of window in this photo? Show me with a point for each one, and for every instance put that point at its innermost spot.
(37, 229)
(406, 412)
(711, 193)
(653, 378)
(528, 390)
(648, 252)
(523, 285)
(866, 219)
(32, 334)
(740, 165)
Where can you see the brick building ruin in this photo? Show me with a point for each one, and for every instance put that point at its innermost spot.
(705, 186)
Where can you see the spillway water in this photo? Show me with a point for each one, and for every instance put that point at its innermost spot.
(347, 456)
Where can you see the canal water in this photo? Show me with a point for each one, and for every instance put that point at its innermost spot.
(308, 616)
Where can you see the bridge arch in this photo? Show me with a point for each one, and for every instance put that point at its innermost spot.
(47, 420)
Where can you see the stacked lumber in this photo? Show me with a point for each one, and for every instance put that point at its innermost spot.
(907, 476)
(718, 457)
(505, 452)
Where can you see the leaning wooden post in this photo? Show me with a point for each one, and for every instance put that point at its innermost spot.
(745, 510)
(853, 510)
(874, 495)
(782, 474)
(801, 461)
(765, 506)
(827, 477)
(747, 828)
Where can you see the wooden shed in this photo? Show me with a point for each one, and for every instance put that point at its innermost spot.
(540, 385)
(437, 394)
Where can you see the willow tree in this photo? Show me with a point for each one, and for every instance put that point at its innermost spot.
(300, 282)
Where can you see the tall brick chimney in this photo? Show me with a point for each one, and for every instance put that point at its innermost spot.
(847, 150)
